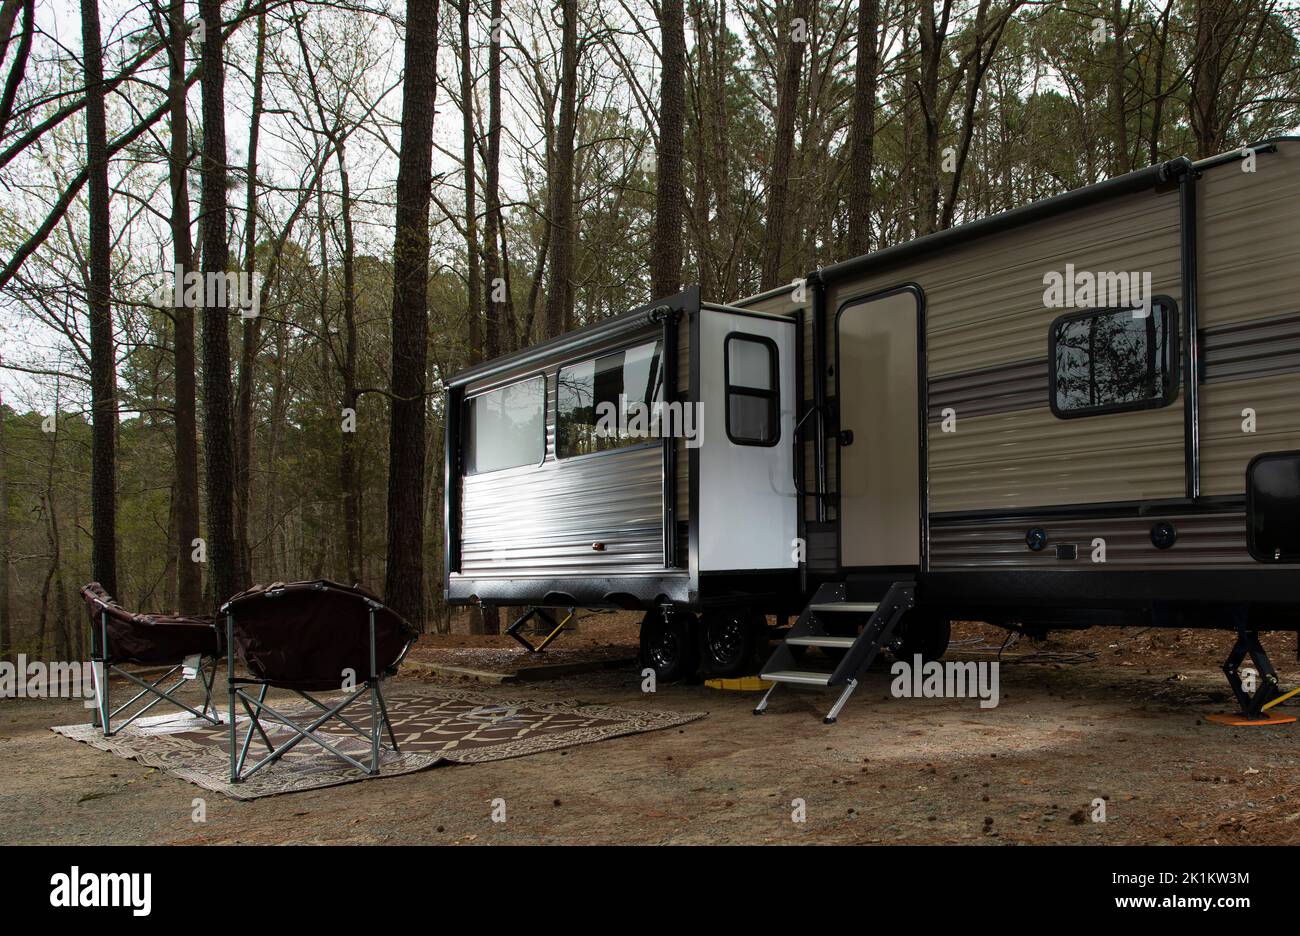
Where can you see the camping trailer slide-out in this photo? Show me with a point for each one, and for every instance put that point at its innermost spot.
(1082, 411)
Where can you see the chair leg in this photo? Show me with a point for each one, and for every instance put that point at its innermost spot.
(254, 723)
(208, 677)
(383, 709)
(102, 699)
(230, 692)
(376, 728)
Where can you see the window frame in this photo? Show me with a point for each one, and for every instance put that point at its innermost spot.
(469, 430)
(1172, 361)
(773, 395)
(590, 358)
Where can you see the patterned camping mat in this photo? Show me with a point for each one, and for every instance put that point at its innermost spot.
(432, 725)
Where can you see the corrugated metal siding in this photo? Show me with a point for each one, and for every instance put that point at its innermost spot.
(1225, 448)
(1257, 348)
(1032, 459)
(544, 520)
(984, 300)
(1205, 541)
(1249, 264)
(1010, 387)
(1248, 239)
(984, 311)
(986, 321)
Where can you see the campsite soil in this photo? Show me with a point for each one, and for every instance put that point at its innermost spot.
(1108, 714)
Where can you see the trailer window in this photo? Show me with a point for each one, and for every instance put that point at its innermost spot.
(506, 427)
(609, 402)
(1111, 360)
(753, 398)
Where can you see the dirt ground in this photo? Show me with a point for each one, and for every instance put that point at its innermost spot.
(1109, 714)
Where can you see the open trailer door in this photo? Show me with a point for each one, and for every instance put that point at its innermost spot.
(747, 498)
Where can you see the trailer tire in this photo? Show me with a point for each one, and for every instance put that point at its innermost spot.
(926, 634)
(668, 644)
(730, 642)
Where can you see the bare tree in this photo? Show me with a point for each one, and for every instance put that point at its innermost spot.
(218, 440)
(6, 544)
(103, 366)
(189, 580)
(559, 290)
(252, 324)
(670, 194)
(404, 583)
(862, 132)
(778, 186)
(495, 330)
(8, 13)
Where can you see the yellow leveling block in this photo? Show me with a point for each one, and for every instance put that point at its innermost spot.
(743, 684)
(1241, 721)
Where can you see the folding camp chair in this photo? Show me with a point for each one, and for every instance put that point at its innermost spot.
(188, 645)
(310, 637)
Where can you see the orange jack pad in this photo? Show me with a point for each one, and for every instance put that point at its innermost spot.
(1241, 721)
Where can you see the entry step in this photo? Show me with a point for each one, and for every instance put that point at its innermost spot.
(805, 677)
(821, 641)
(857, 607)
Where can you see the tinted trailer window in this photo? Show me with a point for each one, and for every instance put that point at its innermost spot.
(507, 427)
(1110, 360)
(606, 403)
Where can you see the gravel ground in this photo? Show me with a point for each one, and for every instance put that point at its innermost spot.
(1106, 715)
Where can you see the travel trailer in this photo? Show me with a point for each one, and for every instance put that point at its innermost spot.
(1082, 411)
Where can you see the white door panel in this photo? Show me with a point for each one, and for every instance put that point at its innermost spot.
(747, 495)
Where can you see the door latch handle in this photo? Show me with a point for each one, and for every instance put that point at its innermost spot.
(844, 438)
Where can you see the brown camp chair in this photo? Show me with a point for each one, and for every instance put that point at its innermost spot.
(188, 645)
(311, 637)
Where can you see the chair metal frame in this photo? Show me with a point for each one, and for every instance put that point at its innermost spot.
(102, 669)
(256, 707)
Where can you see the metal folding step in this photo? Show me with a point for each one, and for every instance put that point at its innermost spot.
(814, 641)
(804, 677)
(860, 650)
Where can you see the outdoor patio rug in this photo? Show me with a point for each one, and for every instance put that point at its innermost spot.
(433, 725)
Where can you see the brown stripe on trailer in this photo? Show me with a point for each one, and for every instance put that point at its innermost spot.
(1204, 541)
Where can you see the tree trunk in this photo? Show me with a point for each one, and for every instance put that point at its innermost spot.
(349, 477)
(252, 326)
(18, 69)
(559, 292)
(404, 583)
(218, 441)
(494, 332)
(6, 545)
(863, 128)
(670, 193)
(932, 34)
(1212, 26)
(1120, 163)
(189, 574)
(474, 324)
(778, 186)
(1158, 92)
(103, 368)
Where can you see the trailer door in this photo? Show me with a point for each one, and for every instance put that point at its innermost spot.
(879, 444)
(747, 499)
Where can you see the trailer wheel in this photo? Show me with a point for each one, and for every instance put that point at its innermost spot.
(730, 641)
(668, 644)
(923, 633)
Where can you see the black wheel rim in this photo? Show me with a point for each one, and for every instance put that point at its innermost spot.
(665, 651)
(725, 639)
